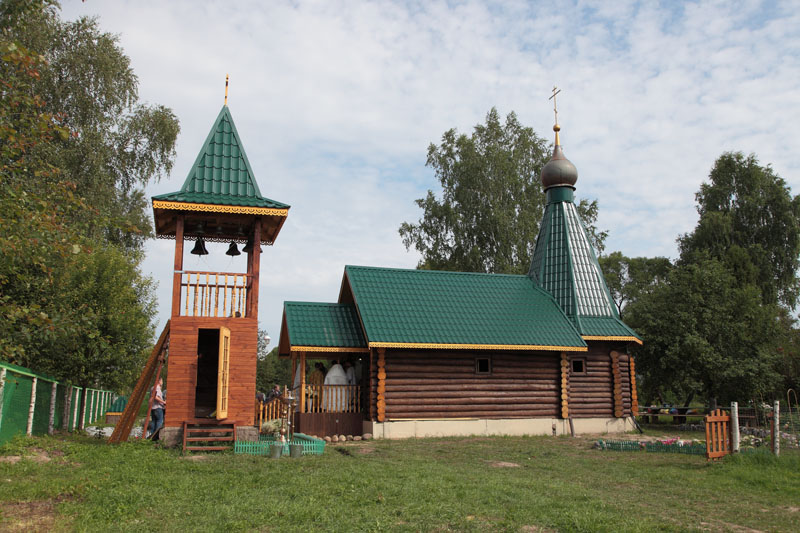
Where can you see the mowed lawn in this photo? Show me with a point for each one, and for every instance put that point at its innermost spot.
(67, 483)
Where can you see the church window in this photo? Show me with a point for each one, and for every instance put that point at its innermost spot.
(483, 365)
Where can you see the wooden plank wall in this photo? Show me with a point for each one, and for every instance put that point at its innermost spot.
(182, 368)
(443, 384)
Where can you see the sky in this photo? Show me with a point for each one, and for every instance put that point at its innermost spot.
(336, 103)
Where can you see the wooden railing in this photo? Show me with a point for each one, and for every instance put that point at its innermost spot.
(213, 294)
(332, 399)
(270, 410)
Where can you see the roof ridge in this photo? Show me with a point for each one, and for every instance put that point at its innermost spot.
(457, 272)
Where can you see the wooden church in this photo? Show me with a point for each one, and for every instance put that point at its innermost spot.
(213, 328)
(458, 353)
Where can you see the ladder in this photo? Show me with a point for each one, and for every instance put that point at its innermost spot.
(153, 366)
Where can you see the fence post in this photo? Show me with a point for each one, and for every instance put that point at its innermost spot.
(82, 421)
(91, 405)
(77, 395)
(65, 408)
(734, 427)
(52, 408)
(2, 392)
(776, 429)
(32, 408)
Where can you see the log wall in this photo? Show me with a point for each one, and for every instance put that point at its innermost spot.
(444, 384)
(182, 368)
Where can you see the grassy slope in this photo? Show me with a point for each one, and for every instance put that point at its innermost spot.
(414, 485)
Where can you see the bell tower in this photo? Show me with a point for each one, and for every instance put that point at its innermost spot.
(214, 320)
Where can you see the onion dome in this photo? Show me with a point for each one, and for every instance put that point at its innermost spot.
(559, 171)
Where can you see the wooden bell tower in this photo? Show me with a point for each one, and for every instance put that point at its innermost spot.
(211, 371)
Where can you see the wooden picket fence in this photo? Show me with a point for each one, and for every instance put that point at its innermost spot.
(718, 434)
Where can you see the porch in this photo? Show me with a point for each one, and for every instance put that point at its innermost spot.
(319, 410)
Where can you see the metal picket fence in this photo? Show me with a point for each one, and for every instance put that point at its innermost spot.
(36, 404)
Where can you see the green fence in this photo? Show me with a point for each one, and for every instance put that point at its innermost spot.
(55, 405)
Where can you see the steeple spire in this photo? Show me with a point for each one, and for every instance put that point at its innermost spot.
(559, 171)
(226, 91)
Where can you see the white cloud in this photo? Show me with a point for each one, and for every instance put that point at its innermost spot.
(336, 103)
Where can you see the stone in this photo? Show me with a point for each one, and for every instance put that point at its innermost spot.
(349, 437)
(357, 438)
(366, 436)
(342, 438)
(335, 438)
(328, 439)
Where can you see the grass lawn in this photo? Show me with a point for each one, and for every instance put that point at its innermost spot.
(68, 483)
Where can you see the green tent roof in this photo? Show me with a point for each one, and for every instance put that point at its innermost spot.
(221, 174)
(399, 306)
(565, 265)
(323, 324)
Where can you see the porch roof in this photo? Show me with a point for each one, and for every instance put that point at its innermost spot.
(320, 327)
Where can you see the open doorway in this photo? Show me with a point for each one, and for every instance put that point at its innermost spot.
(205, 396)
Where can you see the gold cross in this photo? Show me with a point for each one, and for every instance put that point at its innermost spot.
(556, 90)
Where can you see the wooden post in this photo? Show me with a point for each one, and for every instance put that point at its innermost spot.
(381, 384)
(75, 408)
(617, 384)
(84, 398)
(178, 268)
(564, 386)
(634, 394)
(91, 394)
(252, 301)
(52, 408)
(294, 370)
(2, 393)
(302, 382)
(734, 427)
(776, 429)
(66, 410)
(32, 407)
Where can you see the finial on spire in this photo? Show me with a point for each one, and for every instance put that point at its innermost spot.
(556, 127)
(226, 90)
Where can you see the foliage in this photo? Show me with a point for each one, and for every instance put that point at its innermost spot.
(492, 201)
(702, 333)
(270, 369)
(630, 278)
(75, 149)
(450, 484)
(750, 221)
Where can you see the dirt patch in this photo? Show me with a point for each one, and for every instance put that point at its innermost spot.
(12, 459)
(196, 457)
(535, 529)
(364, 450)
(30, 516)
(719, 525)
(503, 464)
(793, 509)
(37, 456)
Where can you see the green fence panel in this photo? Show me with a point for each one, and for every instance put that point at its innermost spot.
(16, 402)
(58, 419)
(41, 413)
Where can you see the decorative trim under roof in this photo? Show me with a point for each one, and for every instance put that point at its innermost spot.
(611, 338)
(529, 347)
(212, 208)
(335, 349)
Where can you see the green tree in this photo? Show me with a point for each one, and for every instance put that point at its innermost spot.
(630, 278)
(704, 334)
(75, 150)
(492, 201)
(750, 221)
(271, 369)
(117, 144)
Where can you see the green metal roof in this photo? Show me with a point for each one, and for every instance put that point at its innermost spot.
(565, 265)
(221, 174)
(323, 324)
(434, 307)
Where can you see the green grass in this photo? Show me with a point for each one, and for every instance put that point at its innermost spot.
(454, 484)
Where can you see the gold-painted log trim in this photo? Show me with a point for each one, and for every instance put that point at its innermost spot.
(609, 338)
(477, 346)
(564, 386)
(634, 394)
(617, 384)
(335, 349)
(381, 403)
(213, 208)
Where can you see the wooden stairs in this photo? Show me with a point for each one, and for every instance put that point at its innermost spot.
(208, 437)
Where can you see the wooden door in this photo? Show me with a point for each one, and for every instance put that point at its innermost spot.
(223, 375)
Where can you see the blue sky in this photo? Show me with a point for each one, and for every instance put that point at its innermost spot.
(336, 103)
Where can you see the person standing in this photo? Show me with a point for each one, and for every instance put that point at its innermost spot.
(157, 410)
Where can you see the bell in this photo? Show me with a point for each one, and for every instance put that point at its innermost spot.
(248, 247)
(233, 250)
(199, 247)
